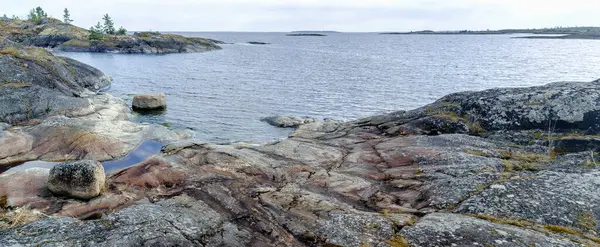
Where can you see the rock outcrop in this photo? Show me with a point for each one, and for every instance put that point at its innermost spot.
(55, 34)
(83, 179)
(468, 170)
(288, 121)
(34, 83)
(149, 102)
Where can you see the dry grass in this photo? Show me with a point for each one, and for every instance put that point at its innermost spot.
(587, 221)
(514, 222)
(18, 217)
(19, 84)
(398, 241)
(10, 51)
(77, 42)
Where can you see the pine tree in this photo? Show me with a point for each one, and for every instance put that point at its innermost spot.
(109, 27)
(121, 31)
(96, 32)
(67, 17)
(37, 15)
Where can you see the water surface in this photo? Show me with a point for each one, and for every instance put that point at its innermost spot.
(221, 95)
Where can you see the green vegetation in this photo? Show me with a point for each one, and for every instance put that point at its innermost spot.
(96, 32)
(122, 31)
(67, 17)
(109, 25)
(99, 31)
(37, 15)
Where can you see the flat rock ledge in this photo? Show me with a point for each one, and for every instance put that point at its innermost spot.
(472, 169)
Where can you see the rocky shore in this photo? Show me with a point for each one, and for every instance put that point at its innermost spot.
(501, 167)
(57, 35)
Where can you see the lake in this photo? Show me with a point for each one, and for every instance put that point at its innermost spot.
(222, 95)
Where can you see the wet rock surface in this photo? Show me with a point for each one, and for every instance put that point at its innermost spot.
(442, 175)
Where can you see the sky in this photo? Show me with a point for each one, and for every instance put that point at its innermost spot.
(337, 15)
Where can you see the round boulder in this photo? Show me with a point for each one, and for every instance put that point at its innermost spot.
(84, 179)
(149, 102)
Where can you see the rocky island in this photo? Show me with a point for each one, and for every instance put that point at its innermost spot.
(61, 36)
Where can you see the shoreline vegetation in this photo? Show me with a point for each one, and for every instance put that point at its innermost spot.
(46, 32)
(504, 166)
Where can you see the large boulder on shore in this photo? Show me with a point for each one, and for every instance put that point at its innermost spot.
(149, 102)
(83, 179)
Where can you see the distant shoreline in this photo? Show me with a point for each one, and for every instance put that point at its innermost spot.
(562, 33)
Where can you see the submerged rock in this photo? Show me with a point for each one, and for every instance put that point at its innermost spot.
(149, 102)
(80, 179)
(258, 43)
(288, 121)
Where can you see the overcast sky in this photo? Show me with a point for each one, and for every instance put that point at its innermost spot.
(339, 15)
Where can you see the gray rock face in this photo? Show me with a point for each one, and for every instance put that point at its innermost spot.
(569, 106)
(288, 121)
(80, 179)
(34, 83)
(147, 102)
(549, 198)
(439, 229)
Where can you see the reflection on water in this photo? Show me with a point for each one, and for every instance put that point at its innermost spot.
(140, 153)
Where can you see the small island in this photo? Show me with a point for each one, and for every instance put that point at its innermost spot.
(306, 34)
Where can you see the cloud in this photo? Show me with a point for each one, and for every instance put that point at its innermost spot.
(342, 15)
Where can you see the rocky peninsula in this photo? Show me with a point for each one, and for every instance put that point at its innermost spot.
(55, 34)
(501, 167)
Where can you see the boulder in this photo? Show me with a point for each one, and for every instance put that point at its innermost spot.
(148, 102)
(288, 121)
(83, 179)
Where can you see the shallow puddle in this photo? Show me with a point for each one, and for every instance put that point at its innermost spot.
(140, 153)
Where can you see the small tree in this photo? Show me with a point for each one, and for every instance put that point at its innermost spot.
(16, 18)
(67, 16)
(96, 32)
(109, 25)
(121, 31)
(40, 12)
(37, 15)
